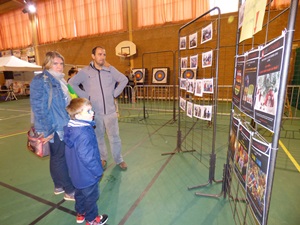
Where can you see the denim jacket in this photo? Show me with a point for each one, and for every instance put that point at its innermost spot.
(49, 117)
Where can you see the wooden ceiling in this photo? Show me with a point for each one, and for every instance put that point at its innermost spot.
(9, 5)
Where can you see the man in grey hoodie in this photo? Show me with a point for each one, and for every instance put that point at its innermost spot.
(103, 83)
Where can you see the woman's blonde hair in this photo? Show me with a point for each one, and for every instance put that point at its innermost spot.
(48, 61)
(76, 106)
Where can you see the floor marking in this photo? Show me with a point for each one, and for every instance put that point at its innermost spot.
(290, 156)
(11, 135)
(41, 200)
(13, 117)
(150, 184)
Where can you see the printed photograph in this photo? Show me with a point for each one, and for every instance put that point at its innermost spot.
(207, 59)
(197, 111)
(208, 85)
(206, 33)
(189, 109)
(190, 85)
(182, 103)
(194, 61)
(193, 40)
(199, 87)
(207, 111)
(183, 83)
(182, 45)
(184, 62)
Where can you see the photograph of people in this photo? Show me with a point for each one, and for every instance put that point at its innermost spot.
(184, 62)
(197, 111)
(207, 111)
(190, 85)
(267, 93)
(207, 59)
(182, 103)
(194, 61)
(189, 110)
(199, 87)
(208, 85)
(206, 33)
(183, 83)
(193, 40)
(182, 43)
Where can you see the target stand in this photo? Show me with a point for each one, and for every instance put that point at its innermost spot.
(10, 94)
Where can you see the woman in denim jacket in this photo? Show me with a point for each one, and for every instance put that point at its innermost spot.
(49, 97)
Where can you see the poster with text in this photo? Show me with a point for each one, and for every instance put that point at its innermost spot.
(257, 174)
(268, 83)
(236, 95)
(233, 142)
(241, 156)
(249, 82)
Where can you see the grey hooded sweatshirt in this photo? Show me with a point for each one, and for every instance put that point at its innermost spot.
(101, 87)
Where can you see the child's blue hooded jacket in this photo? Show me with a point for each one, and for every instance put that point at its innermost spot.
(82, 153)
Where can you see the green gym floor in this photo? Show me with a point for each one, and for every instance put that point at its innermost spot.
(152, 191)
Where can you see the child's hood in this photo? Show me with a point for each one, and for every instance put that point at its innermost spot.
(73, 130)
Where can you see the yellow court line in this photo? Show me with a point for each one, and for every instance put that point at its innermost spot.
(11, 135)
(290, 156)
(280, 143)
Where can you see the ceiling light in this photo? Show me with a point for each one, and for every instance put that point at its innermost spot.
(31, 8)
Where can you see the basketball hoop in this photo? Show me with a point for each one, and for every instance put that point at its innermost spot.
(123, 55)
(125, 49)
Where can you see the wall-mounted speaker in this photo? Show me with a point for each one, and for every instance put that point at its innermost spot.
(8, 75)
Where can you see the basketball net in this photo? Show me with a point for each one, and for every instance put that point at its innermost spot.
(123, 57)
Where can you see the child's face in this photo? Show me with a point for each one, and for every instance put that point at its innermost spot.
(86, 114)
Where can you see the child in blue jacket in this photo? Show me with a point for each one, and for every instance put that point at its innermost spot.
(83, 160)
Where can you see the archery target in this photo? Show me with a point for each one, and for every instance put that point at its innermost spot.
(139, 75)
(189, 73)
(159, 75)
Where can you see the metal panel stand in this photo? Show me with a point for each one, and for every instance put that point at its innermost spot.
(212, 161)
(178, 148)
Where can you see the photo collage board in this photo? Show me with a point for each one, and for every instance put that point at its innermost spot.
(255, 94)
(188, 79)
(257, 82)
(250, 154)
